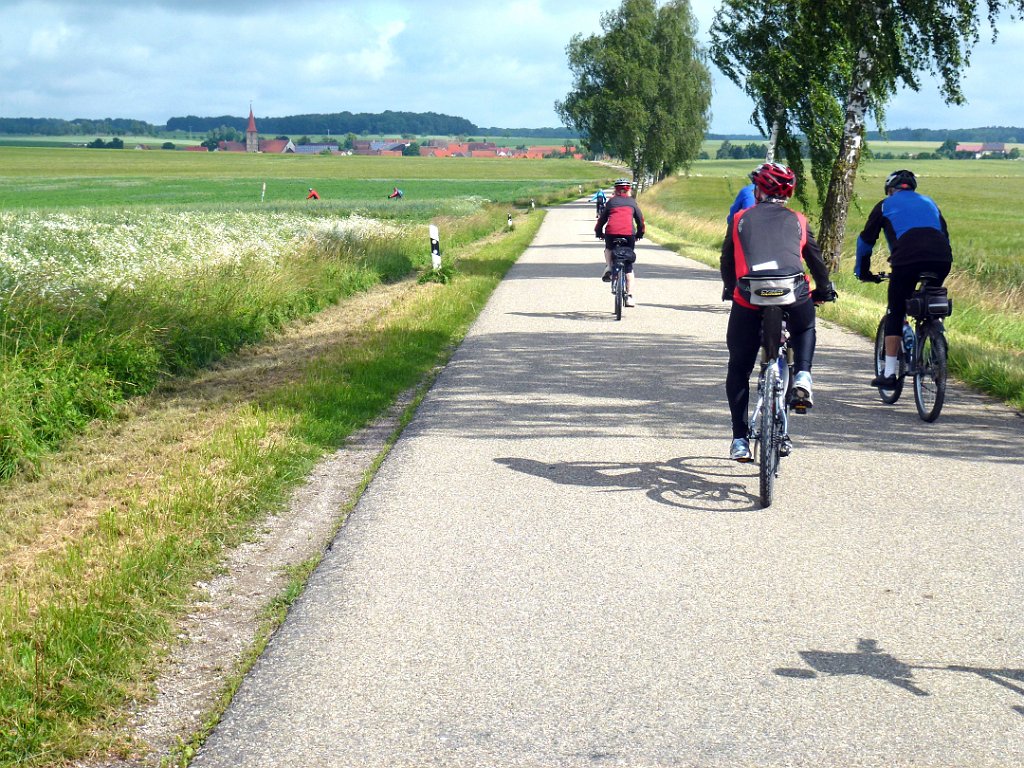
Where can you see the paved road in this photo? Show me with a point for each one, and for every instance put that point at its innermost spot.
(556, 565)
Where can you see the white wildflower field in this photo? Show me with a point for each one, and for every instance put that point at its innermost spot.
(59, 253)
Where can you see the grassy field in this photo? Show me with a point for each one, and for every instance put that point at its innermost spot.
(877, 147)
(58, 178)
(119, 267)
(987, 328)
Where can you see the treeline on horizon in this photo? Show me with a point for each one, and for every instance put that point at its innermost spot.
(412, 123)
(335, 124)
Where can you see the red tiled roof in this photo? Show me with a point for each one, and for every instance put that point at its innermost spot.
(273, 146)
(252, 122)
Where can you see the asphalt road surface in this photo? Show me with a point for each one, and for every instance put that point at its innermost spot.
(557, 565)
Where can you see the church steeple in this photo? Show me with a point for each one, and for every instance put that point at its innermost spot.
(252, 138)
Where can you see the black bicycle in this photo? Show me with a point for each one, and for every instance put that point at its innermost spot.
(769, 422)
(622, 254)
(924, 348)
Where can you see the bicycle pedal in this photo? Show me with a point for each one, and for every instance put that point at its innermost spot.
(800, 408)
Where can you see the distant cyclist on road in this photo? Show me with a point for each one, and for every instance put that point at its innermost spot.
(918, 242)
(769, 239)
(600, 198)
(617, 220)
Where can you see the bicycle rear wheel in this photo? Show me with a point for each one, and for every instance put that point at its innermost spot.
(768, 439)
(930, 375)
(889, 396)
(620, 292)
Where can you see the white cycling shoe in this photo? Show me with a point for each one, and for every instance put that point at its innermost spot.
(803, 390)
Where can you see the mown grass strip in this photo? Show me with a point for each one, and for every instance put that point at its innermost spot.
(82, 625)
(986, 331)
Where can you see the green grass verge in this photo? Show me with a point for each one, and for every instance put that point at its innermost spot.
(78, 636)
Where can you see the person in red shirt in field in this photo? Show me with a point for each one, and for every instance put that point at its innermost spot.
(313, 194)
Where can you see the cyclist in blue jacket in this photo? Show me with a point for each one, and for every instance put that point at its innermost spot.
(918, 242)
(744, 199)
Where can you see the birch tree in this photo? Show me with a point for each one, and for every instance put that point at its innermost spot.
(839, 63)
(641, 90)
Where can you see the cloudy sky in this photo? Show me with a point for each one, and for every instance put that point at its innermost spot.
(494, 63)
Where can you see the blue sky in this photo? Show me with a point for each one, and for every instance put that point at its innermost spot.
(494, 63)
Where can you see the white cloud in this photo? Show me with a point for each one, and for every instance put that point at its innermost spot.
(49, 43)
(496, 64)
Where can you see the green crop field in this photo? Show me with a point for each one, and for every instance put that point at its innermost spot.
(56, 178)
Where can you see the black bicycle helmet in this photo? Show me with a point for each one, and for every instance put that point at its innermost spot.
(902, 179)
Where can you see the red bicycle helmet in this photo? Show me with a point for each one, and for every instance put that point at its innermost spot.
(774, 180)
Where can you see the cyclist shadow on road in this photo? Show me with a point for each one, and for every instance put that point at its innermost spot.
(870, 661)
(696, 482)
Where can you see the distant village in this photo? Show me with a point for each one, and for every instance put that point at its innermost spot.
(386, 147)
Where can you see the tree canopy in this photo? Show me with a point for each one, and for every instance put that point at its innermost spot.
(641, 91)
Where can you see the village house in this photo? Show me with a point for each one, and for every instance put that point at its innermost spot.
(996, 148)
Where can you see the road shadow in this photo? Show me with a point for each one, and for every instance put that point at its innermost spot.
(696, 482)
(588, 383)
(869, 660)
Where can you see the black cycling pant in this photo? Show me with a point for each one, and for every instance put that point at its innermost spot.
(902, 281)
(743, 339)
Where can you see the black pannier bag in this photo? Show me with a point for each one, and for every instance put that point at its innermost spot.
(932, 301)
(624, 253)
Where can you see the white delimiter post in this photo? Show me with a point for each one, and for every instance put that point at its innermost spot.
(435, 247)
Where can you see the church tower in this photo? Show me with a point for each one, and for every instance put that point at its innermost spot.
(252, 138)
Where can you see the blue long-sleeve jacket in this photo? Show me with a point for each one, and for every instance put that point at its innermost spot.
(914, 230)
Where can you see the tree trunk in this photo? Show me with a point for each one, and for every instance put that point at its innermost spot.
(773, 140)
(844, 172)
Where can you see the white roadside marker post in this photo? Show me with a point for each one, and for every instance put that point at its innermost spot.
(263, 194)
(435, 247)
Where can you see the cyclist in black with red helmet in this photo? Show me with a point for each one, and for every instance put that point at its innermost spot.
(617, 221)
(918, 242)
(769, 239)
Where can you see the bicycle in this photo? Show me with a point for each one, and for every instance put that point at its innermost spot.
(622, 254)
(769, 422)
(924, 349)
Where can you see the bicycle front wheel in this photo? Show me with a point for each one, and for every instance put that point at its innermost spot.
(930, 375)
(768, 439)
(889, 396)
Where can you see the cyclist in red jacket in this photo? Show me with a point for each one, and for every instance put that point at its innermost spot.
(769, 239)
(617, 221)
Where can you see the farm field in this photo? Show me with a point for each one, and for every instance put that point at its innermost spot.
(987, 283)
(55, 178)
(150, 262)
(876, 147)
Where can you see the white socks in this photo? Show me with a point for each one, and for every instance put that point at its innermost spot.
(891, 364)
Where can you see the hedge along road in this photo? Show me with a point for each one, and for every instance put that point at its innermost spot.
(557, 565)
